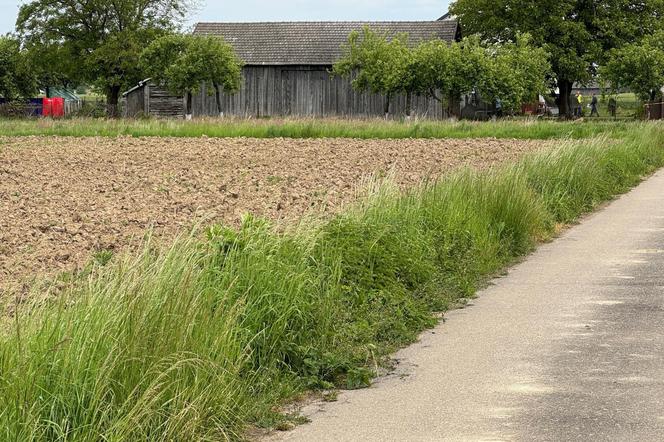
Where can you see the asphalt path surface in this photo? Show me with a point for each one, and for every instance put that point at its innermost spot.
(569, 346)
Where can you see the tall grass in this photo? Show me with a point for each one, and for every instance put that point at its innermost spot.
(310, 128)
(198, 341)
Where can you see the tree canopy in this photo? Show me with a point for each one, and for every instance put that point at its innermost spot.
(16, 74)
(377, 64)
(514, 72)
(638, 66)
(577, 33)
(446, 71)
(100, 41)
(184, 62)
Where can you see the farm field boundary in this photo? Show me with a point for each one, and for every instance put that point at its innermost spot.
(202, 340)
(362, 129)
(64, 199)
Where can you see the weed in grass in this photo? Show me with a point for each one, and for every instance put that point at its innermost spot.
(103, 257)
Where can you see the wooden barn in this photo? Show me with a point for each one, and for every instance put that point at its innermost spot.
(287, 69)
(150, 99)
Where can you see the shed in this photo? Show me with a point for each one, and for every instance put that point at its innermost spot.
(288, 66)
(150, 99)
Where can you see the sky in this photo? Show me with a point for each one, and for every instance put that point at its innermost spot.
(279, 10)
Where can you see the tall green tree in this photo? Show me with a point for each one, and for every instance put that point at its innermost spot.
(103, 38)
(16, 73)
(639, 67)
(183, 63)
(577, 33)
(447, 71)
(515, 73)
(52, 65)
(378, 64)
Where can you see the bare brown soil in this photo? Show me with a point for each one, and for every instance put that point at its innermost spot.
(63, 199)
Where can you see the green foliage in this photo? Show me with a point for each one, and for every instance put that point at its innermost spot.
(195, 342)
(638, 66)
(449, 70)
(577, 34)
(52, 64)
(184, 62)
(16, 77)
(114, 65)
(99, 40)
(514, 72)
(377, 64)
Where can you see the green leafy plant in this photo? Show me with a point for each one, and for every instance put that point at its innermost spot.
(638, 67)
(184, 63)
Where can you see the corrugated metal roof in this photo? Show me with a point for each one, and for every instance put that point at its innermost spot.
(312, 43)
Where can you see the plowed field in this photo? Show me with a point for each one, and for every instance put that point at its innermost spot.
(63, 199)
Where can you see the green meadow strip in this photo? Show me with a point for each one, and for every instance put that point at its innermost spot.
(202, 340)
(363, 129)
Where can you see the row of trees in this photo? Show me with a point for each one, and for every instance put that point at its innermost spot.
(512, 73)
(95, 42)
(181, 62)
(111, 45)
(579, 35)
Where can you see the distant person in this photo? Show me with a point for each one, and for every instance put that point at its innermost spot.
(613, 107)
(579, 105)
(593, 106)
(499, 108)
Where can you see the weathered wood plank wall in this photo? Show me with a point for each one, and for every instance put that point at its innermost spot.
(135, 103)
(164, 103)
(305, 91)
(153, 100)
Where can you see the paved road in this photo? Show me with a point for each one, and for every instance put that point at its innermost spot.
(568, 347)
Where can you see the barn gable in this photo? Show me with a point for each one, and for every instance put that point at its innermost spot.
(313, 43)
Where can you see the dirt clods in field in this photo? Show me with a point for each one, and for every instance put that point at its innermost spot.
(64, 199)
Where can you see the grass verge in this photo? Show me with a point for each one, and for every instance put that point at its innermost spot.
(312, 128)
(198, 341)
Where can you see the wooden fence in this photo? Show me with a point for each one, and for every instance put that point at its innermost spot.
(654, 111)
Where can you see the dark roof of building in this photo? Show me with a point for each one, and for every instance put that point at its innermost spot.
(312, 43)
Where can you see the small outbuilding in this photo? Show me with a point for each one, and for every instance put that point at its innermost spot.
(150, 99)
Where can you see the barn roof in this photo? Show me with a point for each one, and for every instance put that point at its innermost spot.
(312, 43)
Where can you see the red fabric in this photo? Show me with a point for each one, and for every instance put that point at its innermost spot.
(58, 107)
(47, 105)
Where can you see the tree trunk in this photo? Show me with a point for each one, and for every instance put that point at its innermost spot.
(409, 110)
(113, 99)
(386, 109)
(565, 91)
(189, 100)
(217, 96)
(453, 103)
(48, 92)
